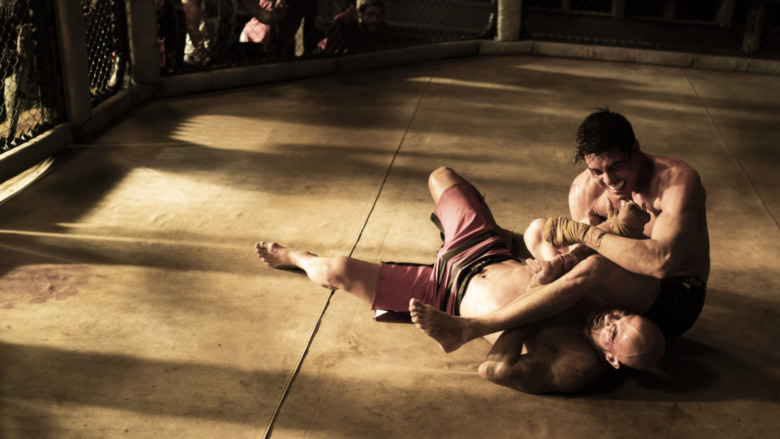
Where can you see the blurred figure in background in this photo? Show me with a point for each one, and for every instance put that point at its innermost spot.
(211, 26)
(278, 39)
(357, 29)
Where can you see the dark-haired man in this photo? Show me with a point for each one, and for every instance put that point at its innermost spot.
(660, 272)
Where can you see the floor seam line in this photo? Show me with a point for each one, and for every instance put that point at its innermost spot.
(294, 375)
(729, 149)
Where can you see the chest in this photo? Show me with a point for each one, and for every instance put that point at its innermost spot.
(649, 203)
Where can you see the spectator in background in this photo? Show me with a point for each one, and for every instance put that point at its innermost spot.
(211, 26)
(278, 39)
(16, 45)
(357, 30)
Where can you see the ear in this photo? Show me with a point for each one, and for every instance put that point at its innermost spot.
(635, 148)
(612, 360)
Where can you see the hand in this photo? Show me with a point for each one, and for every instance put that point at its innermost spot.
(628, 220)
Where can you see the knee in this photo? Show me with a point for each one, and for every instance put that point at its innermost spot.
(535, 243)
(533, 234)
(442, 173)
(334, 273)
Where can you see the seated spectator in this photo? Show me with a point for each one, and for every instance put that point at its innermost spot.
(211, 26)
(357, 30)
(278, 39)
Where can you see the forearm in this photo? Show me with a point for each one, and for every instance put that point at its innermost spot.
(649, 257)
(507, 366)
(641, 256)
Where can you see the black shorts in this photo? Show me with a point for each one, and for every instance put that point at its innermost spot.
(678, 305)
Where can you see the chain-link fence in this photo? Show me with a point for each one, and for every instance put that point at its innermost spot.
(722, 27)
(107, 48)
(197, 35)
(28, 64)
(204, 34)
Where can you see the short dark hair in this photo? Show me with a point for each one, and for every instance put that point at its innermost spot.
(602, 131)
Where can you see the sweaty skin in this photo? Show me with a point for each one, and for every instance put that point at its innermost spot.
(669, 190)
(676, 244)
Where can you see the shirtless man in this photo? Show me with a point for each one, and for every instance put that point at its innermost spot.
(476, 274)
(661, 273)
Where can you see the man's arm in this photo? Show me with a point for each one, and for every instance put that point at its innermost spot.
(681, 201)
(541, 370)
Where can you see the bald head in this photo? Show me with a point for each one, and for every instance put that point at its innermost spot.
(627, 339)
(648, 344)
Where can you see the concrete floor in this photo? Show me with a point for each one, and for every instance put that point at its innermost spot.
(131, 303)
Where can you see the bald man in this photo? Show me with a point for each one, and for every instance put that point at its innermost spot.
(475, 274)
(660, 270)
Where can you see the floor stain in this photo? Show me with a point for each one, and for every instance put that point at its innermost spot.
(38, 284)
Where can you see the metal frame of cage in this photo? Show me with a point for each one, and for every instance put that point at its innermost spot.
(79, 109)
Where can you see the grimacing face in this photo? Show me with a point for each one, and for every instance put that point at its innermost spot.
(615, 171)
(616, 334)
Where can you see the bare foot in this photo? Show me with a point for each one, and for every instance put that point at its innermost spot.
(275, 255)
(449, 331)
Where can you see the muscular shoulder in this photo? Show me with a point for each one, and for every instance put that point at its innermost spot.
(676, 181)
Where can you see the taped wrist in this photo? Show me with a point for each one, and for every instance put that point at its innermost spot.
(628, 221)
(563, 232)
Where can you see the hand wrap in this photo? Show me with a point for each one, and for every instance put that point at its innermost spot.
(628, 221)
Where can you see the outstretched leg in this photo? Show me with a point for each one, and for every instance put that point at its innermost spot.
(336, 273)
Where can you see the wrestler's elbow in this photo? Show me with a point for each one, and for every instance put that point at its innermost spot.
(505, 374)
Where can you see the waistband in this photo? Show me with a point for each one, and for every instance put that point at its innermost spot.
(474, 269)
(689, 281)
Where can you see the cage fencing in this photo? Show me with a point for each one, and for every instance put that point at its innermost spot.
(719, 27)
(107, 46)
(198, 35)
(28, 64)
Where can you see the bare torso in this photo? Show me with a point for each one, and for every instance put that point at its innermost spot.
(493, 287)
(658, 191)
(558, 342)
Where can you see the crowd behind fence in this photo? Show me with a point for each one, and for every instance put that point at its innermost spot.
(208, 35)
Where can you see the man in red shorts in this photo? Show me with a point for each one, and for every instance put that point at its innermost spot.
(475, 274)
(659, 269)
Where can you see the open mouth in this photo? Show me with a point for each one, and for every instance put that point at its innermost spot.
(616, 187)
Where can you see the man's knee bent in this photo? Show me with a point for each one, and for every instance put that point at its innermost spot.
(442, 178)
(536, 244)
(534, 240)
